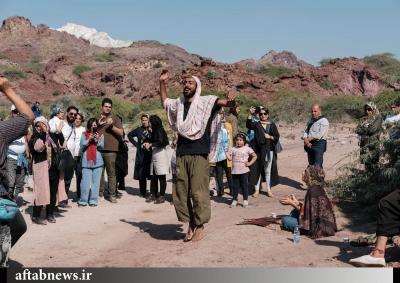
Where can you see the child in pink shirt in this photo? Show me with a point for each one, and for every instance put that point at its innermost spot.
(240, 155)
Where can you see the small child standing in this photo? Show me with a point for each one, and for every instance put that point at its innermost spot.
(240, 155)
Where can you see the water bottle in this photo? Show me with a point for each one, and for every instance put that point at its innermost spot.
(296, 235)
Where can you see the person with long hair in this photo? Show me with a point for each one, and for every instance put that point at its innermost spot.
(92, 142)
(159, 160)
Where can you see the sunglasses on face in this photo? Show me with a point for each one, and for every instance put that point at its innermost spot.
(263, 113)
(368, 109)
(72, 114)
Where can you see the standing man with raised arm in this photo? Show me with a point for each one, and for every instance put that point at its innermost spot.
(315, 135)
(10, 130)
(192, 117)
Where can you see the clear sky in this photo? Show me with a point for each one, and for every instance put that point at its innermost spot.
(229, 31)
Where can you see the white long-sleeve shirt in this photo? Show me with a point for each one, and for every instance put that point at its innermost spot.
(319, 130)
(70, 138)
(79, 132)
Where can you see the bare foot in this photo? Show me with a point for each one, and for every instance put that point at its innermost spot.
(189, 234)
(198, 233)
(269, 193)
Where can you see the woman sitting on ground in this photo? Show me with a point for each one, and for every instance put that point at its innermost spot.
(315, 217)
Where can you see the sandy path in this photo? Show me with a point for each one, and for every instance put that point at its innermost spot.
(133, 233)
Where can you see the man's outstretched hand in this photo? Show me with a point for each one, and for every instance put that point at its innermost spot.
(164, 76)
(4, 84)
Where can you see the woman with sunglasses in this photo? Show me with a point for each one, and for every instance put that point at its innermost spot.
(266, 136)
(368, 131)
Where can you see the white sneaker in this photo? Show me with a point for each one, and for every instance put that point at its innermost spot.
(234, 203)
(245, 203)
(368, 261)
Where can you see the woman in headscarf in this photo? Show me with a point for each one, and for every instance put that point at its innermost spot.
(368, 131)
(315, 217)
(48, 183)
(159, 161)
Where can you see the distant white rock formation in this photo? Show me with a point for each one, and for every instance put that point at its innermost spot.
(95, 37)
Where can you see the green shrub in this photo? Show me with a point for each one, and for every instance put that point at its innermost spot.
(274, 71)
(327, 61)
(327, 84)
(104, 57)
(35, 65)
(387, 64)
(119, 91)
(13, 74)
(56, 93)
(343, 108)
(211, 75)
(157, 65)
(79, 69)
(2, 56)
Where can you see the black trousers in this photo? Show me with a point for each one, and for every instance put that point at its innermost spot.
(142, 186)
(78, 175)
(154, 185)
(240, 182)
(389, 215)
(220, 168)
(54, 179)
(68, 175)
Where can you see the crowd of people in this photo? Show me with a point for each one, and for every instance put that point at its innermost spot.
(207, 143)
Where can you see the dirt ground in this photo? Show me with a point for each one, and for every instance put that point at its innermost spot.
(133, 233)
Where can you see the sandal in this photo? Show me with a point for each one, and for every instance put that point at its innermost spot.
(188, 237)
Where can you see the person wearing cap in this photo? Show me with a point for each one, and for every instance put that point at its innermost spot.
(194, 118)
(17, 161)
(266, 137)
(138, 137)
(10, 130)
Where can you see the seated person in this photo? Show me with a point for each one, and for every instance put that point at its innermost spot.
(315, 217)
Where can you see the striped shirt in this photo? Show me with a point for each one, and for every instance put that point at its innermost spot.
(10, 130)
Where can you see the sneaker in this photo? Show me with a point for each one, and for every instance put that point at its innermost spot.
(38, 220)
(93, 204)
(234, 203)
(51, 219)
(245, 203)
(368, 261)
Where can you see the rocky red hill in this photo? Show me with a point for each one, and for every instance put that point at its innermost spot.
(46, 63)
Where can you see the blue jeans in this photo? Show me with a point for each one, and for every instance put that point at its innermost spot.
(90, 185)
(290, 221)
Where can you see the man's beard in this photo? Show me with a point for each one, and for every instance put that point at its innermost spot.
(189, 95)
(70, 120)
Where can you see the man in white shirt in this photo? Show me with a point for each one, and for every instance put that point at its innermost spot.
(70, 141)
(315, 135)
